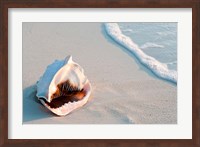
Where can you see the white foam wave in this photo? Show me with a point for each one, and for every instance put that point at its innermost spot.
(166, 33)
(159, 69)
(151, 45)
(128, 30)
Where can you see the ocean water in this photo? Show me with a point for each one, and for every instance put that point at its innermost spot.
(154, 44)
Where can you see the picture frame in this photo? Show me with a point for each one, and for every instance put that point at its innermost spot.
(5, 5)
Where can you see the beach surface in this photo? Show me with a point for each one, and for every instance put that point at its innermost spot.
(124, 91)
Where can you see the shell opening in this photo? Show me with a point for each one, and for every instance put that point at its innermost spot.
(65, 93)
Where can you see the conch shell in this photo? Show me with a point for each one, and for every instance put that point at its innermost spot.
(63, 87)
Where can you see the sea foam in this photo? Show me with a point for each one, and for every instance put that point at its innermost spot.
(151, 45)
(159, 69)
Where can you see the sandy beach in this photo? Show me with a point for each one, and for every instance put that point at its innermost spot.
(124, 91)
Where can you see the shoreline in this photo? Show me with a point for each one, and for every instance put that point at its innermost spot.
(159, 69)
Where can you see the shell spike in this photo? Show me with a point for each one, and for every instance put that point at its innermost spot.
(68, 59)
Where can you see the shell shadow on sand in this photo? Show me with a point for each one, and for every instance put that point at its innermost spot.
(32, 108)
